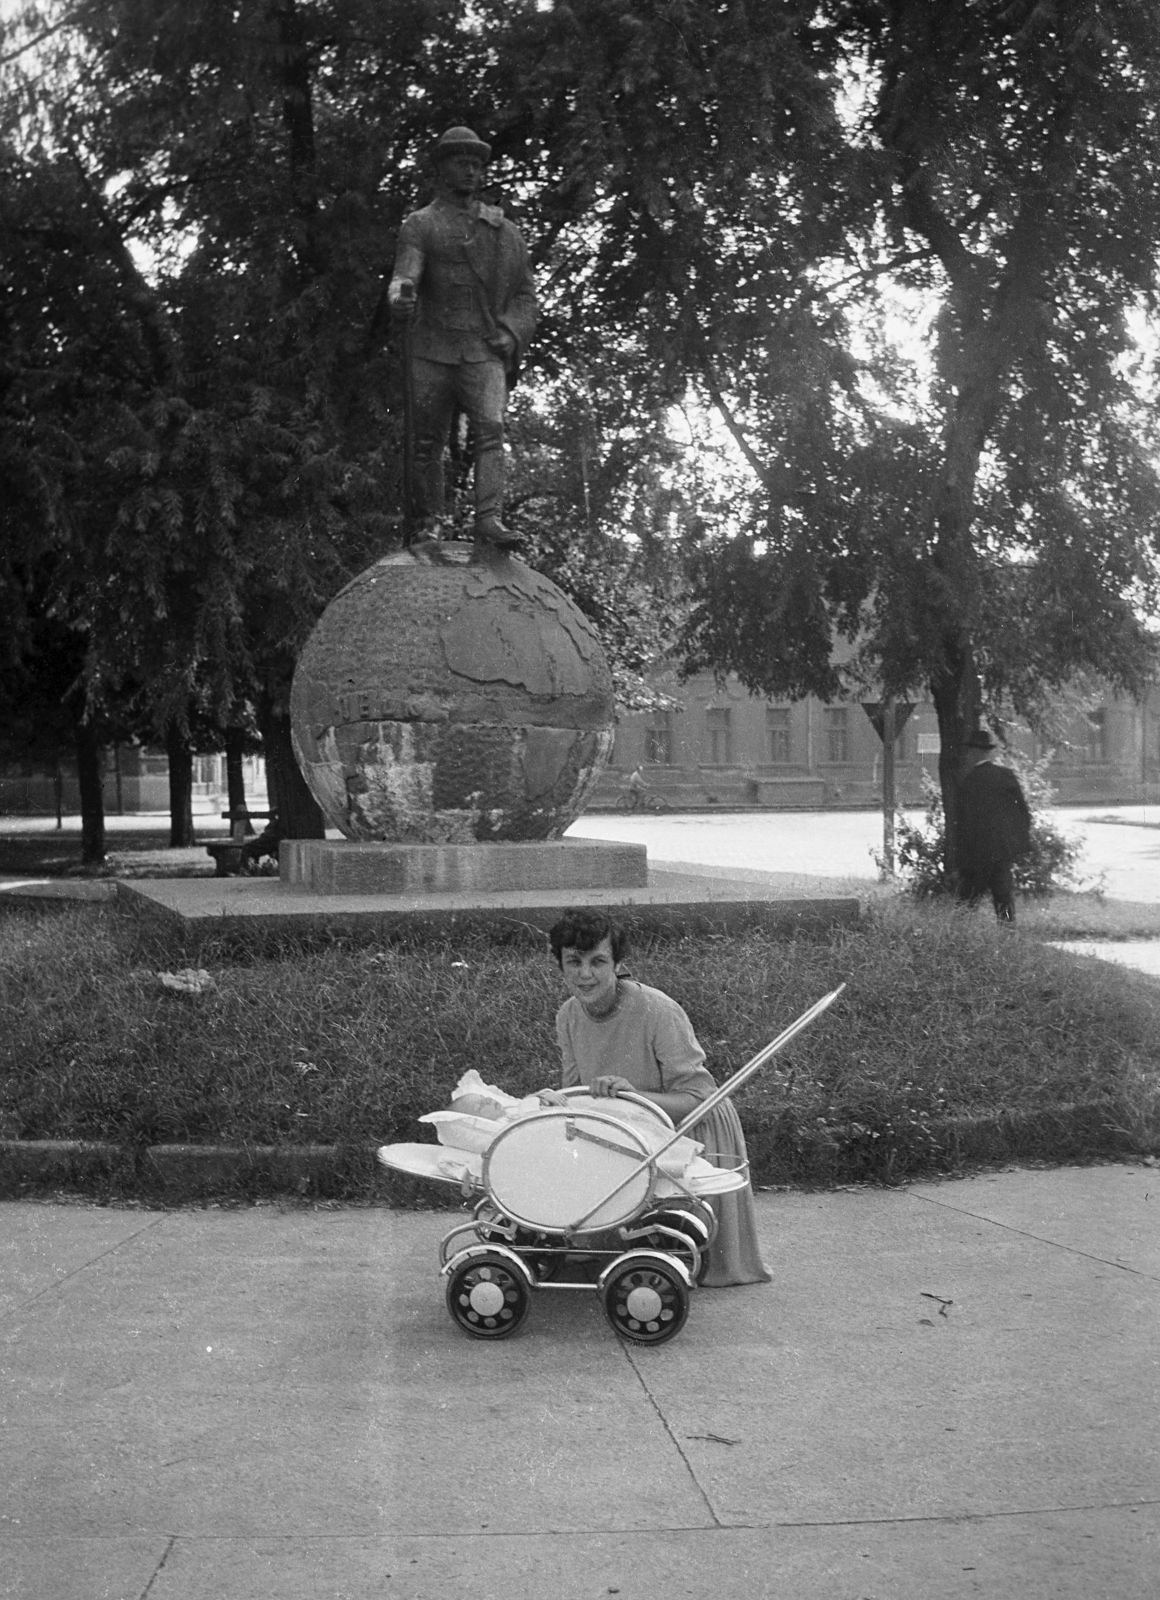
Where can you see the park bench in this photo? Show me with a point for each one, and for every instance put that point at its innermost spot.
(237, 854)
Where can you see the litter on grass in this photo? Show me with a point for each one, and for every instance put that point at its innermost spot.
(187, 980)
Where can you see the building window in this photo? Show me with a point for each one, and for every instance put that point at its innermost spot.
(837, 734)
(1096, 742)
(720, 741)
(777, 732)
(658, 740)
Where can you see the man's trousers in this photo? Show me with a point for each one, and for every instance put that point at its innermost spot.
(998, 877)
(480, 388)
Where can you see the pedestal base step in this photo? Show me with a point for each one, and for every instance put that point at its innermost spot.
(328, 866)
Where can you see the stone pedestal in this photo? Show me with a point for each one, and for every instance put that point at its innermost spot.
(346, 867)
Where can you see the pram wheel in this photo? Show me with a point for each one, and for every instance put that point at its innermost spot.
(486, 1297)
(678, 1232)
(645, 1299)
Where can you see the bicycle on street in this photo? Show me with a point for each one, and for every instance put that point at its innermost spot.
(637, 800)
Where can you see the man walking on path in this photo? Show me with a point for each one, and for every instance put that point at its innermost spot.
(994, 828)
(462, 275)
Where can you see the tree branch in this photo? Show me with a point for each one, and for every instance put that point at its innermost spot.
(868, 274)
(294, 72)
(45, 33)
(926, 217)
(730, 421)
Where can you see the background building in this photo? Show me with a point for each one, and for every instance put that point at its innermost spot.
(136, 782)
(726, 747)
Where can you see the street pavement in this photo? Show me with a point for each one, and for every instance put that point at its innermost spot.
(949, 1389)
(1121, 855)
(1141, 954)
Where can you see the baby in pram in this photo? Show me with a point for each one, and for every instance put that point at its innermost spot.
(616, 1034)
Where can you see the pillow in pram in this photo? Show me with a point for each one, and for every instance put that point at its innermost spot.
(463, 1132)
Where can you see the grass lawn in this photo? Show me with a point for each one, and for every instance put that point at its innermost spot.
(138, 852)
(947, 1016)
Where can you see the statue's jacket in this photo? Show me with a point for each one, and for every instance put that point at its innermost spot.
(473, 277)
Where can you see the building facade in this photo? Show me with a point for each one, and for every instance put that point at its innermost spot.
(726, 747)
(136, 783)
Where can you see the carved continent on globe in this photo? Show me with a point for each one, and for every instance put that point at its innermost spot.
(450, 703)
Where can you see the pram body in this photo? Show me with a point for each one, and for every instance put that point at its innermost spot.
(574, 1199)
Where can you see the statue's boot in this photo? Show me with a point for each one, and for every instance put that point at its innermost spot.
(489, 485)
(491, 531)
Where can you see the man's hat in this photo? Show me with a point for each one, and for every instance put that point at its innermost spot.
(460, 142)
(981, 740)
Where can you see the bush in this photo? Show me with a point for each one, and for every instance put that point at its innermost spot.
(1051, 863)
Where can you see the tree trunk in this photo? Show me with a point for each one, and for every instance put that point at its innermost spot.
(273, 798)
(295, 69)
(957, 701)
(236, 775)
(298, 813)
(181, 834)
(955, 689)
(91, 778)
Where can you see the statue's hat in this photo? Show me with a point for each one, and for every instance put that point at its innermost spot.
(461, 142)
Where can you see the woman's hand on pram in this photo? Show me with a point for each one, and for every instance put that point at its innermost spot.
(551, 1097)
(611, 1085)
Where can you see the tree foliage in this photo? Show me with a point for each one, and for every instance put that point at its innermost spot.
(884, 254)
(989, 525)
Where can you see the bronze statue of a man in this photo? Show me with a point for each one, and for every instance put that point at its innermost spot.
(462, 273)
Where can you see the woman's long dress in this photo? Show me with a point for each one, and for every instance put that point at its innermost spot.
(648, 1039)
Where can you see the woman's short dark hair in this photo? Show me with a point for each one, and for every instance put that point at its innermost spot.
(583, 930)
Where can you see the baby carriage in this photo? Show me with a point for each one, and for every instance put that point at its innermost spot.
(581, 1197)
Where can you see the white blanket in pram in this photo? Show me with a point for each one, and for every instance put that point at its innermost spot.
(467, 1133)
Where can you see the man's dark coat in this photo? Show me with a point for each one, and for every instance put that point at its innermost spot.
(994, 818)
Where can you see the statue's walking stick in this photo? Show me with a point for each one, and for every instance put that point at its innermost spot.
(407, 295)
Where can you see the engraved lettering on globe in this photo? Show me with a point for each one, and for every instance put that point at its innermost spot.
(446, 703)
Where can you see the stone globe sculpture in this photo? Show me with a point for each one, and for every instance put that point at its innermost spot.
(451, 702)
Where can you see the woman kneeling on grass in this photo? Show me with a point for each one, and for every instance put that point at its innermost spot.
(616, 1034)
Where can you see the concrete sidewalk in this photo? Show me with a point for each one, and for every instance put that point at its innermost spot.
(949, 1389)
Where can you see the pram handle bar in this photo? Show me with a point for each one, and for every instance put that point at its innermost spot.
(571, 1131)
(741, 1076)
